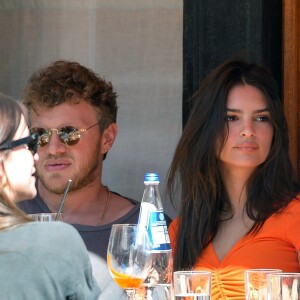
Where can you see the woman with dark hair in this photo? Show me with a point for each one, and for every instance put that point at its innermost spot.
(38, 260)
(239, 205)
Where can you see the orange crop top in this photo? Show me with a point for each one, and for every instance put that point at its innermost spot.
(276, 245)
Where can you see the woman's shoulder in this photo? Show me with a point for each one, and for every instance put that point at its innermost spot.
(293, 204)
(38, 242)
(57, 251)
(53, 234)
(55, 228)
(173, 228)
(174, 223)
(288, 214)
(57, 244)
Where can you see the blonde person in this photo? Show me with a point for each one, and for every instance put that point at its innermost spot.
(74, 112)
(239, 204)
(38, 260)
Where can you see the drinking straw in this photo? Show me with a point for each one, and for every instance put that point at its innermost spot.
(63, 199)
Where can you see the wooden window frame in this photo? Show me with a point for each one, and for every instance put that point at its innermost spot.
(291, 75)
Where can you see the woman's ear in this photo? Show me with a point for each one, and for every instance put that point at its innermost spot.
(108, 137)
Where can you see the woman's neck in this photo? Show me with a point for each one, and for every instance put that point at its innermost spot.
(236, 186)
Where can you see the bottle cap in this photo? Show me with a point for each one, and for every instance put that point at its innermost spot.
(151, 177)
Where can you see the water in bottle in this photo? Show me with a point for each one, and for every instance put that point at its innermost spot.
(158, 284)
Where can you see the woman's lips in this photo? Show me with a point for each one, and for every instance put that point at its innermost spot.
(247, 147)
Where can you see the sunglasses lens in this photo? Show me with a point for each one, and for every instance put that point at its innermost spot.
(33, 143)
(43, 136)
(69, 135)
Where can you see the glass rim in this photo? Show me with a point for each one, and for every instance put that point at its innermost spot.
(263, 270)
(133, 227)
(192, 272)
(126, 225)
(285, 274)
(45, 214)
(46, 217)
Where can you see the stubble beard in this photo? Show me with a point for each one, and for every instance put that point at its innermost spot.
(86, 175)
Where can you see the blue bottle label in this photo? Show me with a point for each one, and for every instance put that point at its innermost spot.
(158, 231)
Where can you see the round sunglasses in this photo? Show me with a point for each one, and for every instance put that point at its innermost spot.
(68, 135)
(31, 143)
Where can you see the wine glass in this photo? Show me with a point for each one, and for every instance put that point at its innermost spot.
(129, 256)
(46, 217)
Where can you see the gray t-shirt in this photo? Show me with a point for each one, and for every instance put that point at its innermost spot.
(95, 237)
(45, 260)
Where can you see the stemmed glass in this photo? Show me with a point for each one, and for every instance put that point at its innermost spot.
(129, 256)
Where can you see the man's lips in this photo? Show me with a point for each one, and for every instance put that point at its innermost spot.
(57, 165)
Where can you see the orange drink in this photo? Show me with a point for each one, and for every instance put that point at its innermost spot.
(129, 256)
(125, 281)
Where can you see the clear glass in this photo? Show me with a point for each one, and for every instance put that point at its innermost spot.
(46, 217)
(129, 256)
(158, 284)
(283, 286)
(256, 283)
(192, 285)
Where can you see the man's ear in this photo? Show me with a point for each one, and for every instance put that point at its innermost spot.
(108, 137)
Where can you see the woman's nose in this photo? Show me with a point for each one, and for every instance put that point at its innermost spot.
(248, 129)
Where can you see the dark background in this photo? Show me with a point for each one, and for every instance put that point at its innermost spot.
(214, 31)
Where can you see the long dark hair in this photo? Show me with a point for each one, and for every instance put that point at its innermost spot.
(10, 116)
(195, 165)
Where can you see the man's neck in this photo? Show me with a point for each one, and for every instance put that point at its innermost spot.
(79, 200)
(92, 205)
